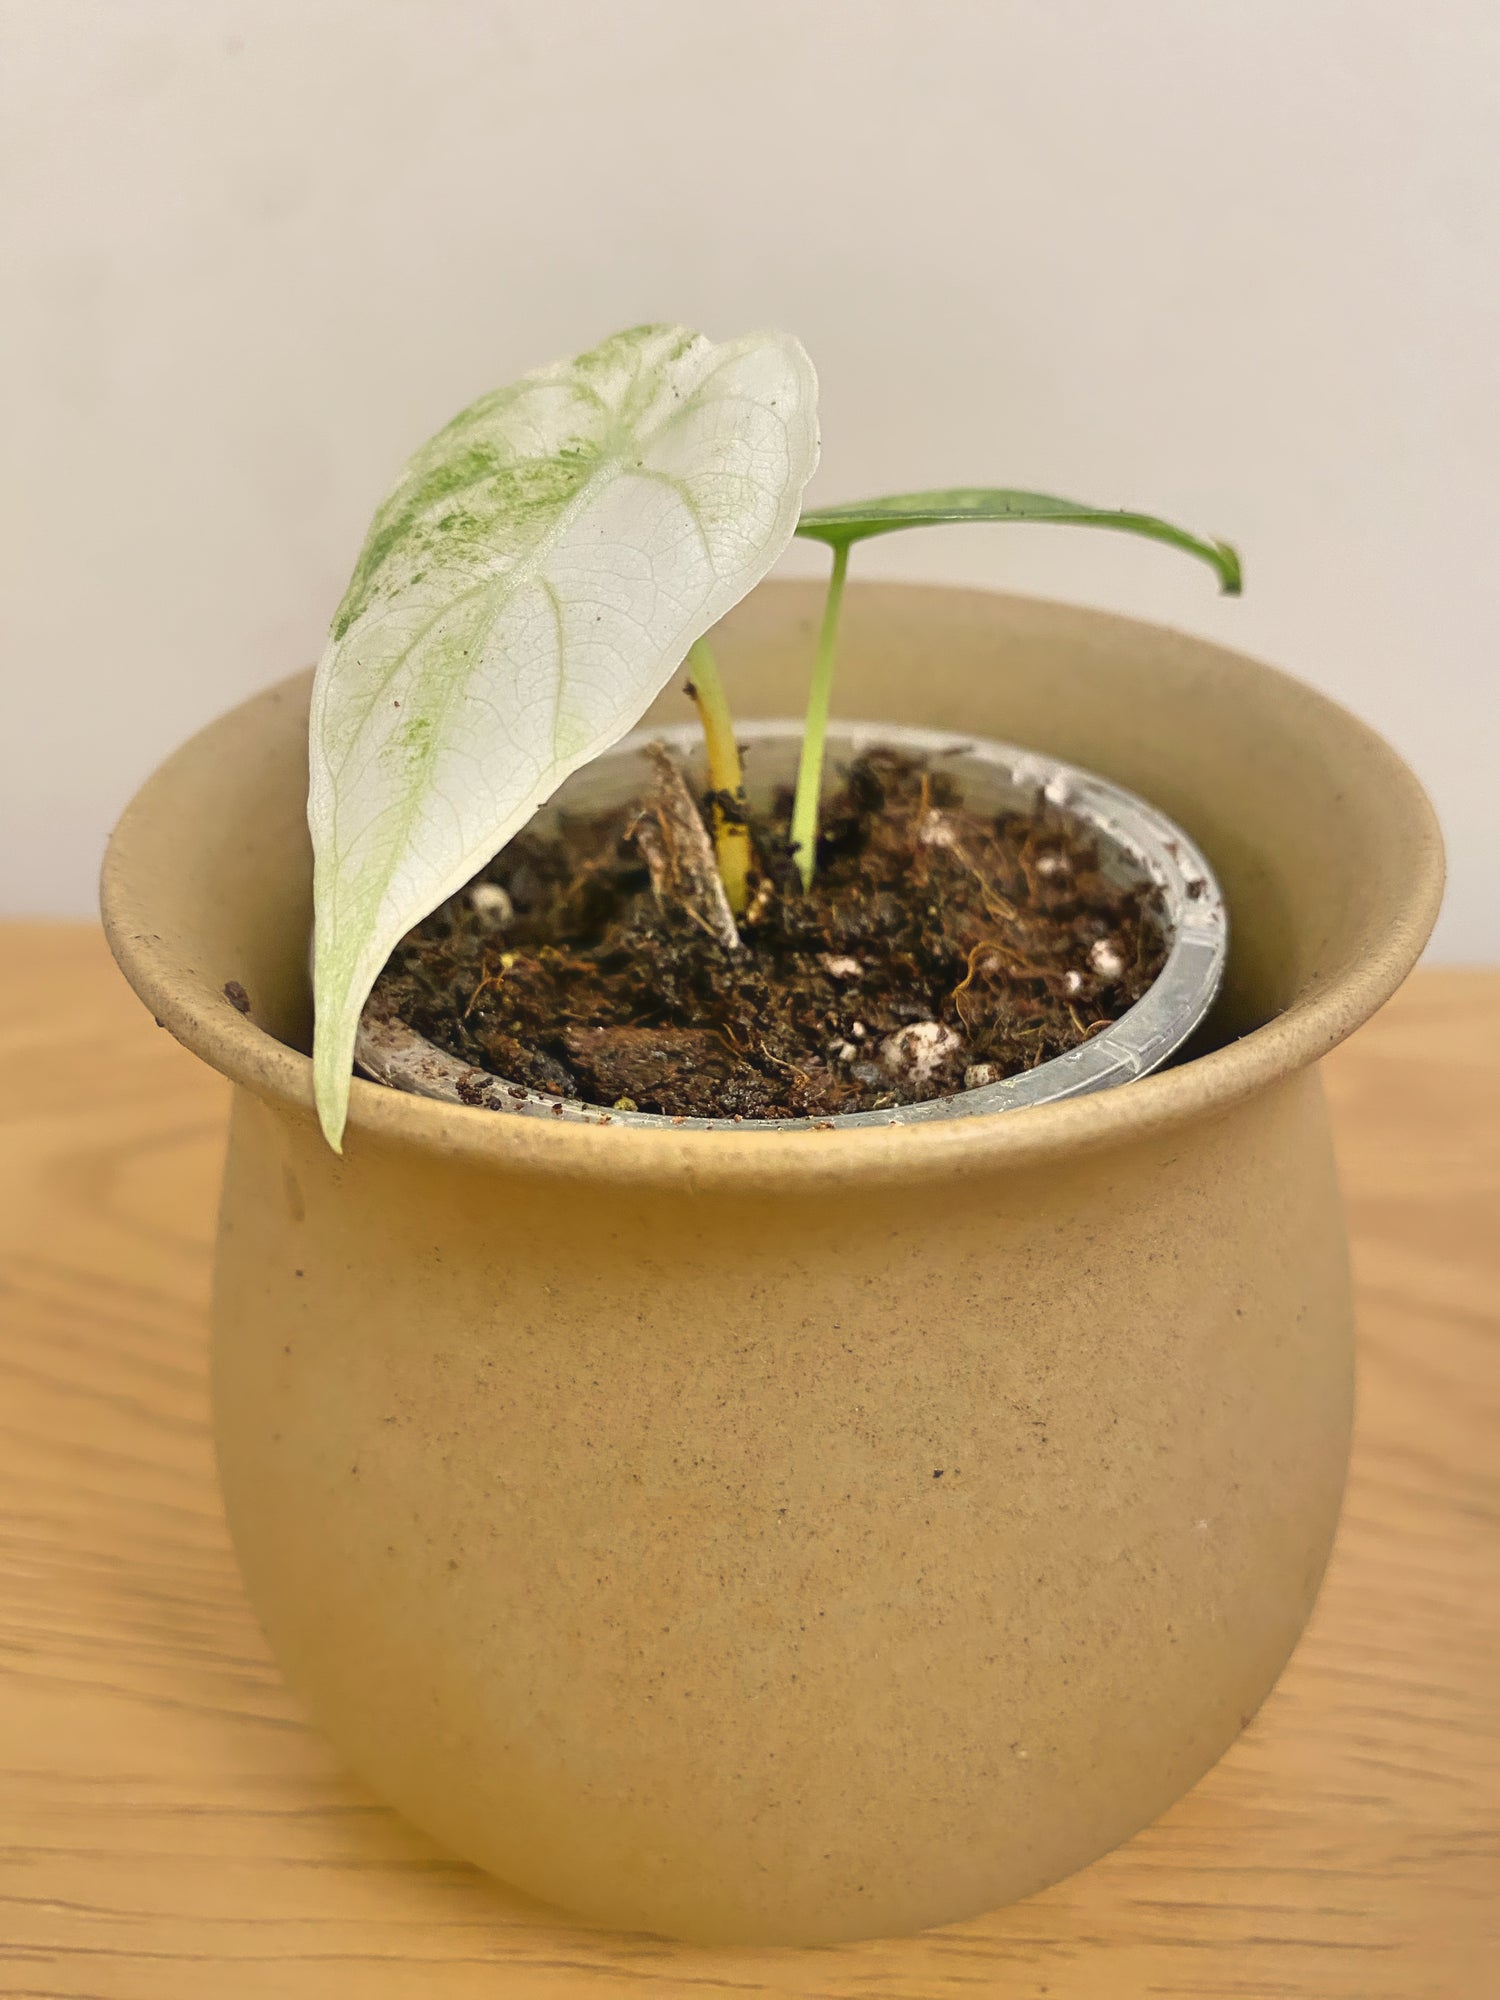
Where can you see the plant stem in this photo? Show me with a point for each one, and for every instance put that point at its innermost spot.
(731, 826)
(815, 733)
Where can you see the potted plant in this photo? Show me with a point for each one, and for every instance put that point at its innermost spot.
(761, 1533)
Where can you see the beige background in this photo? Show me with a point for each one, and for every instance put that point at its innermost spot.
(1236, 264)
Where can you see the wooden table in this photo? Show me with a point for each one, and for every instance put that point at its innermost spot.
(169, 1826)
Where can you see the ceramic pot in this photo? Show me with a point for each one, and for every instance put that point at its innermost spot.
(798, 1537)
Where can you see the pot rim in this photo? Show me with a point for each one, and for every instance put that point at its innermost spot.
(1139, 1041)
(1315, 1021)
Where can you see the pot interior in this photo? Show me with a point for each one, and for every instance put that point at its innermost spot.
(1138, 846)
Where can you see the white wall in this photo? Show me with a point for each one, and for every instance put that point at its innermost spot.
(1234, 263)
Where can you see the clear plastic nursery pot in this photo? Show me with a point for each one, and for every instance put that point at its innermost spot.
(1137, 843)
(798, 1537)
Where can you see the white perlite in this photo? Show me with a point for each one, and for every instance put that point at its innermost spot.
(1106, 960)
(920, 1051)
(936, 829)
(492, 905)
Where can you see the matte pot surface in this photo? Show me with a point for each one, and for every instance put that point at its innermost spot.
(813, 1535)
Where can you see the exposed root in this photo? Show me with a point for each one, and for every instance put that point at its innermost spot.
(936, 828)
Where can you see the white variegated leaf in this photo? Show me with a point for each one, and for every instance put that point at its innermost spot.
(525, 592)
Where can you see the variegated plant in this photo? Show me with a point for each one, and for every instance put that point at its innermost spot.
(534, 578)
(537, 574)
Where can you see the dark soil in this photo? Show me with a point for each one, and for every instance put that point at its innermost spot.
(938, 950)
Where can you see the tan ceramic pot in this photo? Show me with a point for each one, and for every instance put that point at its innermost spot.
(802, 1536)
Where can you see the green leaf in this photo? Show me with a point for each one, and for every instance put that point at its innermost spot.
(526, 590)
(842, 526)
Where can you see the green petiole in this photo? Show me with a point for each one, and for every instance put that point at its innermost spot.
(815, 731)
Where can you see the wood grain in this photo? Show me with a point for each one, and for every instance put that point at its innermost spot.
(170, 1827)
